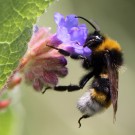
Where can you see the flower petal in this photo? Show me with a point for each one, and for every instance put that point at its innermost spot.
(70, 22)
(87, 51)
(63, 35)
(62, 72)
(28, 76)
(37, 84)
(50, 78)
(78, 34)
(59, 19)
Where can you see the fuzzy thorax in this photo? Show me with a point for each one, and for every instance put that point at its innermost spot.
(108, 44)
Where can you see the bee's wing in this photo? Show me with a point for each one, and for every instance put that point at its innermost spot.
(113, 80)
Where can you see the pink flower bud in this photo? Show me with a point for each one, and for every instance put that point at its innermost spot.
(4, 103)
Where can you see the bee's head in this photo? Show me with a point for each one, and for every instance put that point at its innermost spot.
(93, 39)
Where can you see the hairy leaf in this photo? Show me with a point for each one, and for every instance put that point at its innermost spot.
(16, 20)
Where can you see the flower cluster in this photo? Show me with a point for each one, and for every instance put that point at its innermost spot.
(42, 65)
(71, 33)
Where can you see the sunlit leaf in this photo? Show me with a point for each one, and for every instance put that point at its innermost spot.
(16, 21)
(6, 122)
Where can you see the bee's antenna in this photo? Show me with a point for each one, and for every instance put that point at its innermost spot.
(91, 22)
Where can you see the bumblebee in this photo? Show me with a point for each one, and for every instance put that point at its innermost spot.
(106, 58)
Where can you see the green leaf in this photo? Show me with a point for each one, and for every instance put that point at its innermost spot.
(11, 120)
(6, 122)
(16, 21)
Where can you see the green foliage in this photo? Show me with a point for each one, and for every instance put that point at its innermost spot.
(16, 21)
(6, 122)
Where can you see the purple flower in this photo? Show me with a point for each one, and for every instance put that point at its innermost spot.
(43, 65)
(69, 31)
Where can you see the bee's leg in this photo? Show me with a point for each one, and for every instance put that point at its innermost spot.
(66, 53)
(83, 117)
(43, 91)
(71, 88)
(86, 78)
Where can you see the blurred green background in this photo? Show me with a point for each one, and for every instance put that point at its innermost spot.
(55, 112)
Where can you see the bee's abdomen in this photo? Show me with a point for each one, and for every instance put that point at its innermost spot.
(87, 105)
(100, 97)
(92, 102)
(101, 90)
(97, 98)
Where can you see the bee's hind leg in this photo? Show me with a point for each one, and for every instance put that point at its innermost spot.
(83, 117)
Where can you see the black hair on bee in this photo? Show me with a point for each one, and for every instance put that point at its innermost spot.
(106, 58)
